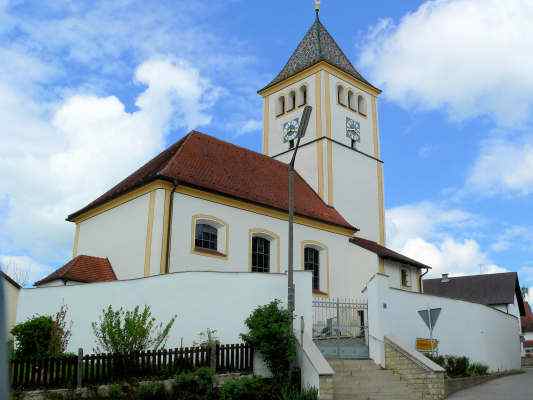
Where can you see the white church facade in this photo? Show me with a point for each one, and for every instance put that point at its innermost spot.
(207, 205)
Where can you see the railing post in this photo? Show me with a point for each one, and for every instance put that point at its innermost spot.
(338, 330)
(80, 368)
(213, 355)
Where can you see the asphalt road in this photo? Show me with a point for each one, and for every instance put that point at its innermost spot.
(515, 387)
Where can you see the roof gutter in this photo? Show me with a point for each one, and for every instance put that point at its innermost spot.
(420, 279)
(169, 226)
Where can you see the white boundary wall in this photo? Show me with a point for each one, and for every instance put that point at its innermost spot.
(201, 300)
(479, 332)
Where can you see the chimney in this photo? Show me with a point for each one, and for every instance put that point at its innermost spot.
(445, 278)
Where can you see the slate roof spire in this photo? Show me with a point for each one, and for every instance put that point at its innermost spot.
(317, 45)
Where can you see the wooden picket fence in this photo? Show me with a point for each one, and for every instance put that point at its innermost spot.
(72, 371)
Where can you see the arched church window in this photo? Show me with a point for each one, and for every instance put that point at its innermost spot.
(292, 101)
(341, 95)
(206, 237)
(260, 254)
(302, 96)
(361, 105)
(351, 101)
(280, 106)
(312, 263)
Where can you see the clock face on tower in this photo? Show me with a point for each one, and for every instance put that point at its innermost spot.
(290, 130)
(353, 130)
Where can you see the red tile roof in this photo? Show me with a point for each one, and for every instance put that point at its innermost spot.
(385, 252)
(86, 269)
(207, 163)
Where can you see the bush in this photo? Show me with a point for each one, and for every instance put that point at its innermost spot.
(247, 388)
(291, 393)
(196, 385)
(477, 369)
(269, 332)
(151, 391)
(130, 331)
(42, 335)
(116, 392)
(459, 367)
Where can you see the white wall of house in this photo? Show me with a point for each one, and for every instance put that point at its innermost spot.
(11, 297)
(467, 329)
(201, 300)
(393, 270)
(349, 266)
(120, 235)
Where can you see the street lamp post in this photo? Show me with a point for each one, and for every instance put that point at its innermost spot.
(304, 121)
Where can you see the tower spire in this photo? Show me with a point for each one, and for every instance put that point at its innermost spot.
(317, 8)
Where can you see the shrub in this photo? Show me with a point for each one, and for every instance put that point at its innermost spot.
(477, 369)
(269, 332)
(116, 392)
(151, 391)
(195, 385)
(291, 393)
(42, 335)
(207, 338)
(130, 331)
(247, 388)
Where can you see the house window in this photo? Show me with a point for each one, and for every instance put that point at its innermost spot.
(341, 96)
(280, 110)
(303, 96)
(361, 105)
(206, 237)
(312, 263)
(405, 277)
(351, 100)
(260, 254)
(292, 101)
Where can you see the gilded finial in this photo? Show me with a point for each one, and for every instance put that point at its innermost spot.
(317, 7)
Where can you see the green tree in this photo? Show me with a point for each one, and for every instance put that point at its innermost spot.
(269, 332)
(120, 331)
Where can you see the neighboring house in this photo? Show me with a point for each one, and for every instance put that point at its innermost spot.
(205, 204)
(11, 294)
(527, 330)
(500, 291)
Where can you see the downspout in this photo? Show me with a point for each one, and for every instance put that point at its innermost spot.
(169, 226)
(420, 280)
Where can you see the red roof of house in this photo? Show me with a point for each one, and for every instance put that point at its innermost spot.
(207, 163)
(386, 253)
(86, 269)
(528, 343)
(527, 320)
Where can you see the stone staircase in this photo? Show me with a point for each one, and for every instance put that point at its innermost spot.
(364, 380)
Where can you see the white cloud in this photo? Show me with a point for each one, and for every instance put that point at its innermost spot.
(470, 57)
(430, 234)
(63, 159)
(503, 167)
(23, 269)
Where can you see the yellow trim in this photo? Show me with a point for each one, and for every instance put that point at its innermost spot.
(204, 217)
(149, 231)
(322, 65)
(323, 249)
(379, 173)
(318, 129)
(159, 184)
(166, 225)
(262, 210)
(271, 236)
(381, 265)
(76, 241)
(327, 100)
(266, 122)
(329, 145)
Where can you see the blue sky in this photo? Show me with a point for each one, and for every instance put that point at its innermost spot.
(91, 90)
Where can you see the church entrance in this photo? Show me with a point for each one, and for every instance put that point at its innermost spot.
(340, 327)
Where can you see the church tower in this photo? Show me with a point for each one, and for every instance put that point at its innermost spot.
(340, 153)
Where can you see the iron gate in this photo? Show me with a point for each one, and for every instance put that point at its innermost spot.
(340, 327)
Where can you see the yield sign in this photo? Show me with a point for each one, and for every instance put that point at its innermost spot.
(430, 316)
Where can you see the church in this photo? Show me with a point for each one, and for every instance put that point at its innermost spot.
(208, 205)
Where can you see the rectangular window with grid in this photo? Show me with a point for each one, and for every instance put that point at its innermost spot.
(260, 254)
(206, 237)
(312, 263)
